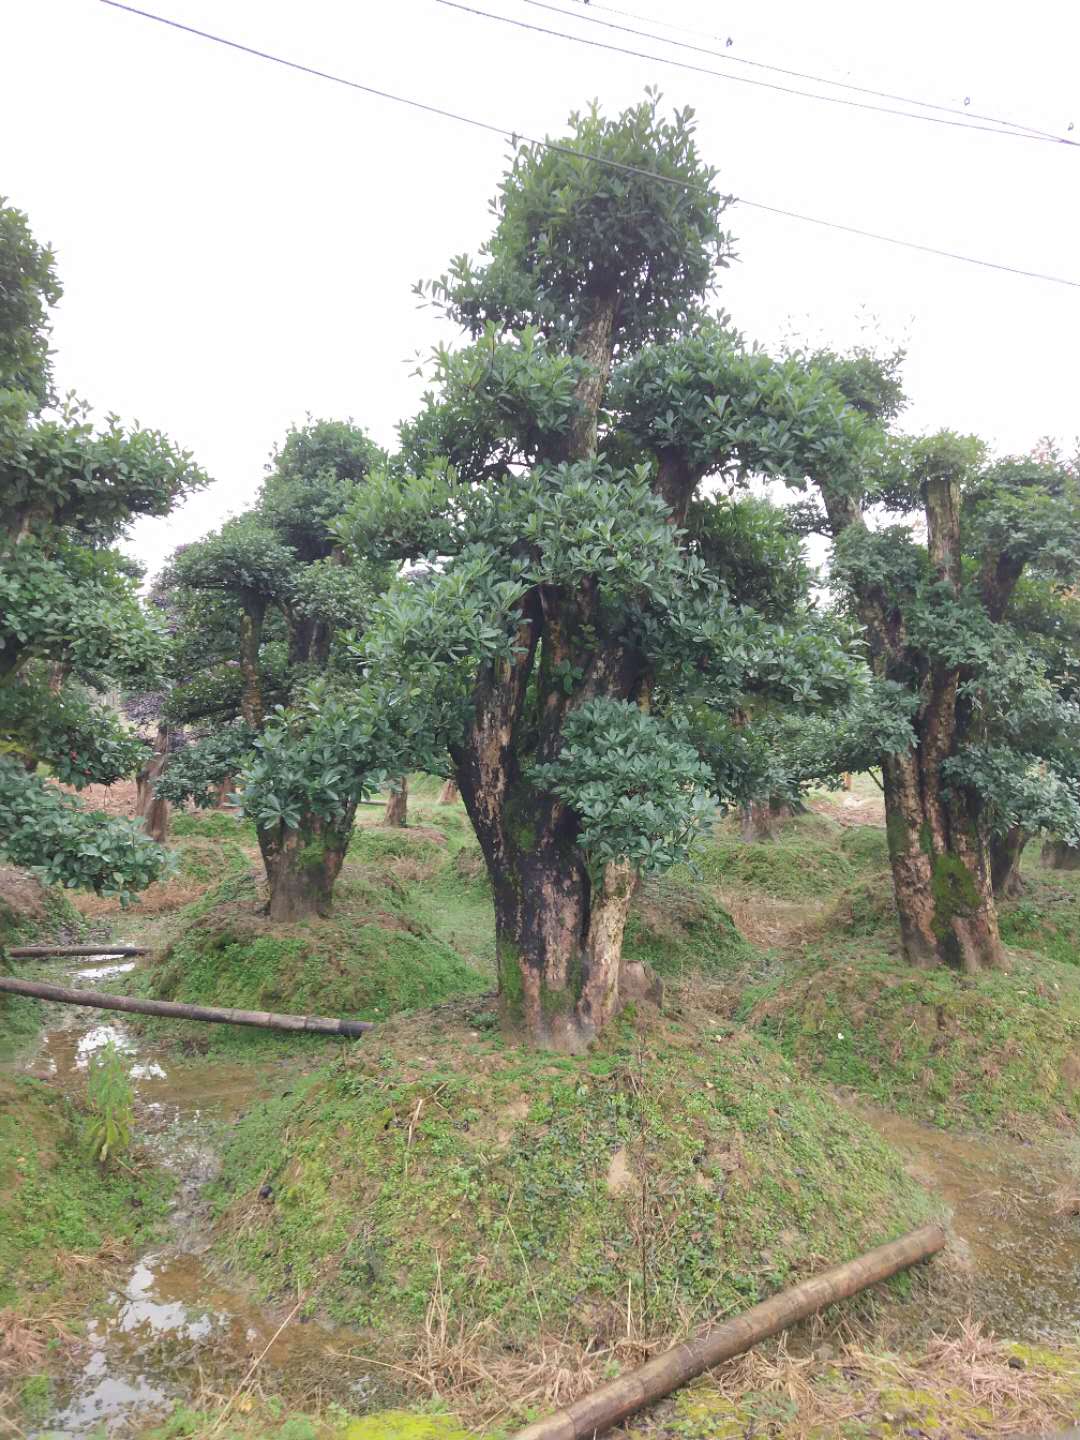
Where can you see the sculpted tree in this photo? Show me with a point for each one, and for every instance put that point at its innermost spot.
(570, 618)
(934, 596)
(259, 605)
(71, 625)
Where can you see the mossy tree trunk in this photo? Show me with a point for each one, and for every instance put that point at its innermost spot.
(303, 865)
(941, 870)
(397, 803)
(759, 819)
(1005, 855)
(938, 844)
(153, 811)
(558, 929)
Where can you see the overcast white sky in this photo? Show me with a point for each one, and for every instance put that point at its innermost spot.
(237, 242)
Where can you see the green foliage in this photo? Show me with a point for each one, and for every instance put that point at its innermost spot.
(82, 742)
(569, 232)
(110, 1103)
(28, 287)
(197, 772)
(49, 833)
(525, 1177)
(69, 610)
(639, 791)
(723, 408)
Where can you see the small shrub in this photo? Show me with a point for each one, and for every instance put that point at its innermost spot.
(110, 1102)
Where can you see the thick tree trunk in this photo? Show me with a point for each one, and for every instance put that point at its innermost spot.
(558, 930)
(759, 819)
(153, 811)
(397, 803)
(302, 866)
(449, 794)
(941, 870)
(1057, 855)
(224, 790)
(1005, 853)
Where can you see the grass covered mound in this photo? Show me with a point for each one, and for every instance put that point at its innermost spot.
(510, 1194)
(810, 857)
(1045, 918)
(374, 956)
(677, 927)
(995, 1051)
(58, 1206)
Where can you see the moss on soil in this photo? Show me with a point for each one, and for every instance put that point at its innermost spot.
(993, 1051)
(434, 1158)
(862, 1393)
(55, 1201)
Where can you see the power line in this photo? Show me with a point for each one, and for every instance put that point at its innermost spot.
(778, 69)
(746, 79)
(517, 136)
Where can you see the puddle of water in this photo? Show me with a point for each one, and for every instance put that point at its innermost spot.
(173, 1328)
(102, 972)
(1025, 1260)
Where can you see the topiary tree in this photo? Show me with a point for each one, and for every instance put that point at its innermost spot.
(934, 596)
(261, 605)
(570, 618)
(71, 624)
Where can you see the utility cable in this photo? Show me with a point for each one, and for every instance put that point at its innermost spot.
(517, 136)
(587, 8)
(747, 80)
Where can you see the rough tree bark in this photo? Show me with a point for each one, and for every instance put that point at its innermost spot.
(397, 803)
(559, 928)
(302, 866)
(153, 811)
(1005, 853)
(938, 848)
(758, 820)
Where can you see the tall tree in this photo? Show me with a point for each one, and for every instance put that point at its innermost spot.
(259, 605)
(933, 595)
(71, 624)
(549, 480)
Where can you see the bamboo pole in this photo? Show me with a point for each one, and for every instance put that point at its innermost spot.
(212, 1014)
(43, 952)
(615, 1401)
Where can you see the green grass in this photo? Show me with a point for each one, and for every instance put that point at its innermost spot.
(1046, 917)
(992, 1051)
(678, 928)
(29, 913)
(797, 866)
(436, 1156)
(54, 1198)
(212, 825)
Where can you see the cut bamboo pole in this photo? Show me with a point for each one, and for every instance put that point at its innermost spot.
(43, 952)
(615, 1401)
(212, 1014)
